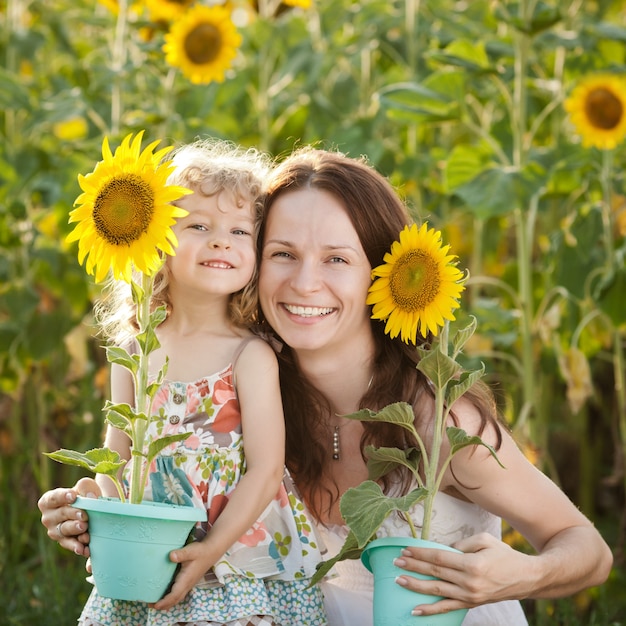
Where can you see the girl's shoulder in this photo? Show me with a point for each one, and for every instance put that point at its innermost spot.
(254, 357)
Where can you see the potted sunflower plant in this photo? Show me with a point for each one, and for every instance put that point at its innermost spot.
(123, 226)
(402, 294)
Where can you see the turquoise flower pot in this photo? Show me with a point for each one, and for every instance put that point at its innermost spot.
(130, 545)
(392, 603)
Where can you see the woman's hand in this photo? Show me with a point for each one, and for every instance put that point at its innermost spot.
(65, 524)
(488, 570)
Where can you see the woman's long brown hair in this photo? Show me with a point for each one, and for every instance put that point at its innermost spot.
(378, 215)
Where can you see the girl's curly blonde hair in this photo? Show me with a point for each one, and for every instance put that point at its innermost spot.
(208, 167)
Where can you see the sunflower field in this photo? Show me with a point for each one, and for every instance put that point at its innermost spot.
(501, 122)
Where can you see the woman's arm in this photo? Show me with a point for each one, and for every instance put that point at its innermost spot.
(570, 553)
(64, 523)
(256, 380)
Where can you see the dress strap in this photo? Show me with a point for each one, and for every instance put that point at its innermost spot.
(240, 348)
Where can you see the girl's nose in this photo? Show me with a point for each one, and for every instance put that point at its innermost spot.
(219, 239)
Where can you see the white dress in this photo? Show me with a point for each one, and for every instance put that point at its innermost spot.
(348, 590)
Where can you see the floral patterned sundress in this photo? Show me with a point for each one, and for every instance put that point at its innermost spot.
(266, 572)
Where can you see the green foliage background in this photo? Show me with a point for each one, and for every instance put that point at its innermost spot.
(460, 103)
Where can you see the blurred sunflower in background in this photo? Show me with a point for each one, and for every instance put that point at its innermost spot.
(597, 109)
(418, 287)
(203, 44)
(167, 10)
(304, 4)
(125, 213)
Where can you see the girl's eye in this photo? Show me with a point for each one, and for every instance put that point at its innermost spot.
(198, 227)
(240, 231)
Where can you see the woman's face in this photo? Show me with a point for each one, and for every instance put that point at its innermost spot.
(314, 273)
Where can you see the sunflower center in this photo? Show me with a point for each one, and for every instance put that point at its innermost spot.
(603, 109)
(415, 281)
(203, 43)
(123, 210)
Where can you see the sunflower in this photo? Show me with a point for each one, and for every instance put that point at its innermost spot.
(124, 215)
(597, 108)
(167, 10)
(417, 287)
(304, 4)
(203, 44)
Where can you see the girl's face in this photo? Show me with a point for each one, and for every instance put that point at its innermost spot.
(314, 273)
(216, 245)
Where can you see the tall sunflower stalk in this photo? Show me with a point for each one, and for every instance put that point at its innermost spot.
(415, 291)
(123, 227)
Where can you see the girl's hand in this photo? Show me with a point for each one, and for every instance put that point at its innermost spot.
(195, 561)
(487, 571)
(65, 524)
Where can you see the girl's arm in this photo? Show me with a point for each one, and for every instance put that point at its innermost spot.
(122, 390)
(570, 553)
(256, 380)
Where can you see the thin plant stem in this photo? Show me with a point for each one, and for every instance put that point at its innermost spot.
(411, 23)
(118, 60)
(524, 220)
(607, 201)
(14, 19)
(142, 401)
(619, 369)
(432, 476)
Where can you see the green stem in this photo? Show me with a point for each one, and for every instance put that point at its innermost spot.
(14, 24)
(118, 60)
(619, 368)
(267, 9)
(411, 18)
(524, 222)
(142, 401)
(431, 477)
(607, 201)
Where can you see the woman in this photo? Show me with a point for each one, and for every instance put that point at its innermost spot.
(329, 220)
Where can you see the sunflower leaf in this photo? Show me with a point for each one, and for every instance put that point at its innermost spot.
(467, 380)
(366, 507)
(98, 460)
(158, 316)
(160, 444)
(398, 413)
(463, 335)
(148, 340)
(349, 550)
(459, 439)
(119, 356)
(380, 461)
(438, 367)
(137, 292)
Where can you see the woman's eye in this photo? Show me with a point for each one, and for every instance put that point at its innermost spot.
(281, 255)
(337, 259)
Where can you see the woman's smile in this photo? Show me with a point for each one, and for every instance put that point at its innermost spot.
(314, 273)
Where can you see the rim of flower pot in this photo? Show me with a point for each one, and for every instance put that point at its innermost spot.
(146, 509)
(401, 541)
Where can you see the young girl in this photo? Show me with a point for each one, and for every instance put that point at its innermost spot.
(250, 563)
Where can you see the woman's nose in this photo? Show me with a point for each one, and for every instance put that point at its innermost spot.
(305, 277)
